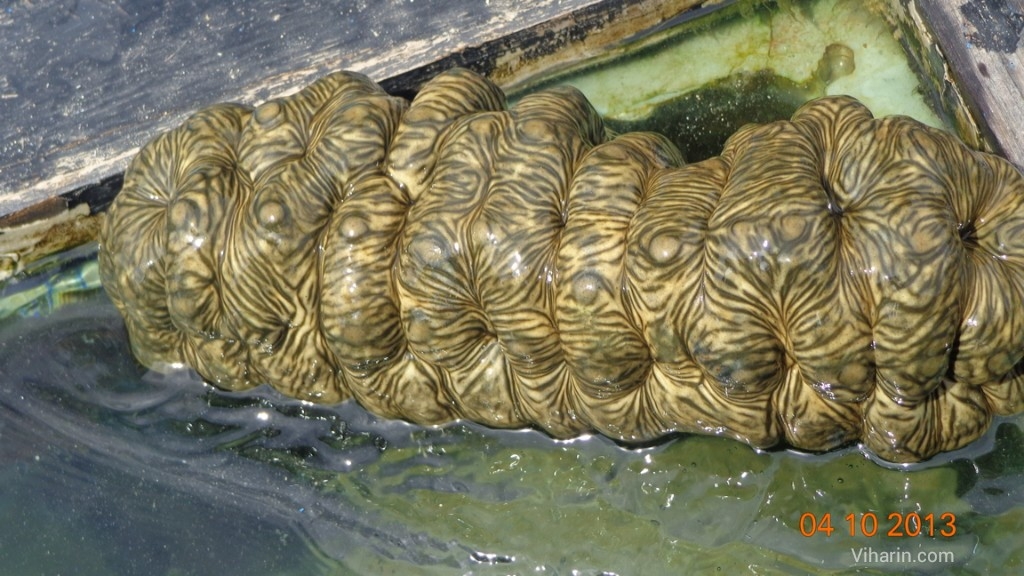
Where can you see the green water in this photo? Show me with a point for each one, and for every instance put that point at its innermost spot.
(760, 60)
(110, 469)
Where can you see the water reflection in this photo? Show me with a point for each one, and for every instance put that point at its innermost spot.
(108, 468)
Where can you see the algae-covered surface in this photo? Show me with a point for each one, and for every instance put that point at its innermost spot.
(108, 468)
(701, 80)
(786, 37)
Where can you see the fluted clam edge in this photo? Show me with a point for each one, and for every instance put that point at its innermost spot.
(826, 280)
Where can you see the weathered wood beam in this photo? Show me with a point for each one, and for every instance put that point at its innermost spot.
(83, 85)
(973, 54)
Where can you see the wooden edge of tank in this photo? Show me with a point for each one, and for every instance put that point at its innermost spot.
(969, 54)
(514, 42)
(968, 51)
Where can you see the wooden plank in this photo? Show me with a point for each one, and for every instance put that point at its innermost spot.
(84, 84)
(980, 41)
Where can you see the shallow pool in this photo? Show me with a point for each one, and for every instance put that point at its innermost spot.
(110, 469)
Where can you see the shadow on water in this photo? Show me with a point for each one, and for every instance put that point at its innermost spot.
(110, 469)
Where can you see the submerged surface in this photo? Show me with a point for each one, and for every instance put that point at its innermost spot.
(108, 468)
(699, 83)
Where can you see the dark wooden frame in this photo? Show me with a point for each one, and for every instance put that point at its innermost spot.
(83, 85)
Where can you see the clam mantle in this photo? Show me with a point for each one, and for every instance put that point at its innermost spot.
(830, 279)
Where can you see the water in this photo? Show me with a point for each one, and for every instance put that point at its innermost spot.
(772, 53)
(108, 468)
